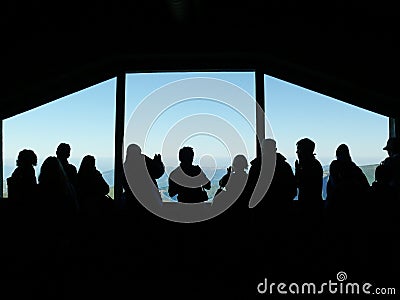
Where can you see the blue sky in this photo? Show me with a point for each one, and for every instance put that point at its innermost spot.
(218, 147)
(295, 112)
(86, 121)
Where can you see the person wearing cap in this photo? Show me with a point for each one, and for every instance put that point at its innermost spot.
(392, 146)
(309, 175)
(391, 164)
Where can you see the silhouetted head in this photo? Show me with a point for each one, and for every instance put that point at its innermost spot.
(268, 145)
(88, 163)
(392, 146)
(133, 151)
(305, 148)
(239, 163)
(343, 152)
(63, 151)
(26, 158)
(186, 155)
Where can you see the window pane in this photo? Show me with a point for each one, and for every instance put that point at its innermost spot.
(295, 112)
(212, 151)
(85, 120)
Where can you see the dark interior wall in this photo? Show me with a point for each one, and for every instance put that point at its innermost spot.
(344, 50)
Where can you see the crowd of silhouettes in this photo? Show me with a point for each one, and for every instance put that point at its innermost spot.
(65, 191)
(60, 191)
(292, 230)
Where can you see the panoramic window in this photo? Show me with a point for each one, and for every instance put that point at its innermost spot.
(175, 119)
(294, 112)
(177, 108)
(85, 120)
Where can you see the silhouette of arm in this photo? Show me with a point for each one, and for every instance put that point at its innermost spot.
(155, 166)
(207, 186)
(173, 188)
(298, 174)
(224, 180)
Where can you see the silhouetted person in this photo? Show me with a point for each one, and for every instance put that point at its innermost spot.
(57, 209)
(63, 152)
(233, 188)
(383, 205)
(57, 195)
(278, 200)
(235, 173)
(381, 187)
(230, 196)
(140, 175)
(309, 177)
(92, 189)
(233, 182)
(22, 184)
(389, 182)
(392, 163)
(255, 168)
(346, 179)
(224, 180)
(283, 188)
(347, 184)
(188, 181)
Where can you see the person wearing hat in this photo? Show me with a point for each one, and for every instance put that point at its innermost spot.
(309, 175)
(392, 146)
(385, 192)
(391, 164)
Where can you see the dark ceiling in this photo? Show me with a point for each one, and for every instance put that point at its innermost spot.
(346, 50)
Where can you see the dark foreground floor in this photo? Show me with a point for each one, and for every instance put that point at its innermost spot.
(122, 256)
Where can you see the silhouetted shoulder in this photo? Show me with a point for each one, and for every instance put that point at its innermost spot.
(197, 169)
(318, 163)
(281, 159)
(71, 169)
(333, 164)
